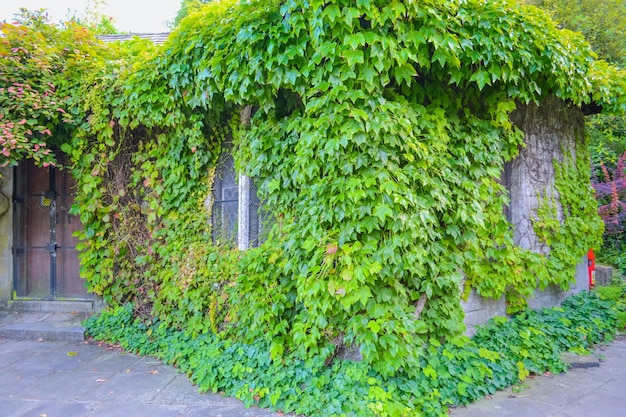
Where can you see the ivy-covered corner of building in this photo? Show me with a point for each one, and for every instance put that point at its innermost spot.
(370, 139)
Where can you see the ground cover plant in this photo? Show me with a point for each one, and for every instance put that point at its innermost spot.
(376, 133)
(452, 373)
(615, 292)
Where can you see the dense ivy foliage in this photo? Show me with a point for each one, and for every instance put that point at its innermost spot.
(379, 139)
(379, 135)
(451, 374)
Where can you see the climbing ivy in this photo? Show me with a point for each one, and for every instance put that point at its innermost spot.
(378, 136)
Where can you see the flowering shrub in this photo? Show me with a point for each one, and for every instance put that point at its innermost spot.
(36, 84)
(610, 187)
(611, 196)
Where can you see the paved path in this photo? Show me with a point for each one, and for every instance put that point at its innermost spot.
(588, 392)
(74, 379)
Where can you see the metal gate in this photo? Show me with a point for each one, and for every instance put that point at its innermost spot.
(44, 251)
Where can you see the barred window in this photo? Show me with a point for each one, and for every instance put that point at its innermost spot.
(225, 199)
(238, 216)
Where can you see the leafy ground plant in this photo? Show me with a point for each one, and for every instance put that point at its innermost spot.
(616, 293)
(459, 371)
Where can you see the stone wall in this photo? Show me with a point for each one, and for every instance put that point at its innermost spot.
(478, 310)
(604, 274)
(554, 296)
(550, 130)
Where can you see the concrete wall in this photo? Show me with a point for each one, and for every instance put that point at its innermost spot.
(6, 235)
(554, 296)
(478, 311)
(551, 130)
(604, 274)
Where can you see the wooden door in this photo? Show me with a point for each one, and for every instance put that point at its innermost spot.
(45, 258)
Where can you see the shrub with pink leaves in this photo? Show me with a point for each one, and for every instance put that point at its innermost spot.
(611, 196)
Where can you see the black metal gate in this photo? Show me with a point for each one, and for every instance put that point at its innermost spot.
(45, 257)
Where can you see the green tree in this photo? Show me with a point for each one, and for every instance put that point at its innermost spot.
(602, 22)
(93, 18)
(186, 8)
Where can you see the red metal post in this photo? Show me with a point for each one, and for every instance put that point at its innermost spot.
(591, 268)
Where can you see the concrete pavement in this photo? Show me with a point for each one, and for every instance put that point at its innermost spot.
(581, 392)
(45, 325)
(74, 379)
(46, 370)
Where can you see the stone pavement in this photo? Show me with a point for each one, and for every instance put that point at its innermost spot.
(582, 392)
(65, 377)
(46, 325)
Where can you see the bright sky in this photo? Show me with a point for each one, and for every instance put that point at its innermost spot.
(136, 16)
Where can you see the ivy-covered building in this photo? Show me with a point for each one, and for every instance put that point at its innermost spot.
(413, 159)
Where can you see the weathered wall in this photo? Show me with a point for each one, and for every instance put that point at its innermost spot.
(550, 129)
(6, 235)
(478, 310)
(604, 274)
(553, 295)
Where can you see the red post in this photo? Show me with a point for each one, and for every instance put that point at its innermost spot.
(591, 268)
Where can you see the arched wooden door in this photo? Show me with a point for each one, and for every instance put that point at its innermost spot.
(45, 258)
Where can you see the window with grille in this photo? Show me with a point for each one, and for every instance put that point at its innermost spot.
(225, 198)
(238, 218)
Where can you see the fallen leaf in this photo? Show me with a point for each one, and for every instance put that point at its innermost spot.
(128, 370)
(72, 353)
(154, 372)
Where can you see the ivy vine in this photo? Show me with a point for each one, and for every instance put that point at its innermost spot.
(379, 134)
